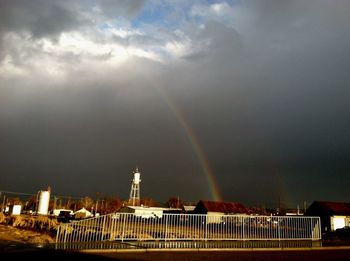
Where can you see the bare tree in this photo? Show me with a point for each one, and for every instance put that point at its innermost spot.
(87, 202)
(111, 205)
(149, 202)
(175, 202)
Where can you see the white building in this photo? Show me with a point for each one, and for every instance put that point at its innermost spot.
(15, 209)
(148, 212)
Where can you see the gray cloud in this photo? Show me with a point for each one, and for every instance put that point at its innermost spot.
(121, 8)
(40, 18)
(267, 100)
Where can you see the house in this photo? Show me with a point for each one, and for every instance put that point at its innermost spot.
(216, 209)
(333, 215)
(144, 212)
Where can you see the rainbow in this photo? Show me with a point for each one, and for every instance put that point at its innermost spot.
(213, 187)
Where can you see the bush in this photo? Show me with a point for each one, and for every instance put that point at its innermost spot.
(37, 223)
(4, 219)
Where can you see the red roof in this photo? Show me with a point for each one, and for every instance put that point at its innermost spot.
(335, 208)
(223, 207)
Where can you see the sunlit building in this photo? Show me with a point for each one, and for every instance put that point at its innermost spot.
(333, 215)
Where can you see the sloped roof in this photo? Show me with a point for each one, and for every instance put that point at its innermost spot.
(223, 207)
(189, 208)
(83, 210)
(334, 208)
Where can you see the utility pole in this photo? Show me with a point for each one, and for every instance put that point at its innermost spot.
(54, 202)
(2, 206)
(3, 203)
(68, 202)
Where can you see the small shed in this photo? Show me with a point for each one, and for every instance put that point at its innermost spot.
(333, 215)
(216, 209)
(82, 213)
(15, 209)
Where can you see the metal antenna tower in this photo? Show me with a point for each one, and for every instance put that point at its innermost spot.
(135, 188)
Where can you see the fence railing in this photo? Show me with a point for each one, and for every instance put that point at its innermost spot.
(173, 227)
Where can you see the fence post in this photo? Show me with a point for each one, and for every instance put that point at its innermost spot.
(206, 228)
(278, 228)
(58, 233)
(103, 227)
(166, 227)
(65, 233)
(123, 229)
(243, 232)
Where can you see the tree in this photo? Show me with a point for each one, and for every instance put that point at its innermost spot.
(14, 201)
(111, 205)
(30, 203)
(148, 202)
(73, 205)
(175, 202)
(87, 202)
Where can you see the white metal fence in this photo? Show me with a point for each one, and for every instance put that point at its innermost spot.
(173, 227)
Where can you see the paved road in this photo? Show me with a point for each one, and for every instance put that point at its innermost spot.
(317, 255)
(24, 252)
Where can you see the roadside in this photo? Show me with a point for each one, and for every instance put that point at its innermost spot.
(12, 234)
(21, 243)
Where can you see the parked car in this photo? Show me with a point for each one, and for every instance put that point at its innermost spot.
(65, 216)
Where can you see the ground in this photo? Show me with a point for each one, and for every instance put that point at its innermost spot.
(11, 234)
(18, 244)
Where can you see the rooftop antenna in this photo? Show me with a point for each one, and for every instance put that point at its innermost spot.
(135, 188)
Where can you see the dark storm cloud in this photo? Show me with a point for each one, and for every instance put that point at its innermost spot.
(266, 96)
(39, 17)
(97, 125)
(113, 8)
(277, 103)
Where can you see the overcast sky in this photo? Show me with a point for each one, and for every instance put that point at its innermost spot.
(258, 90)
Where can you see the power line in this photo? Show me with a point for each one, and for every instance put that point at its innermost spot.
(31, 194)
(16, 193)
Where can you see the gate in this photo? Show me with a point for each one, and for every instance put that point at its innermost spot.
(189, 227)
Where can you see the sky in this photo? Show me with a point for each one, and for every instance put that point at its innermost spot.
(243, 100)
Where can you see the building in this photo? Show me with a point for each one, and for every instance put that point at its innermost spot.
(82, 213)
(216, 209)
(333, 215)
(144, 212)
(15, 209)
(56, 212)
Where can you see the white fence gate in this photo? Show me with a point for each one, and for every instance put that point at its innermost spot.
(190, 227)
